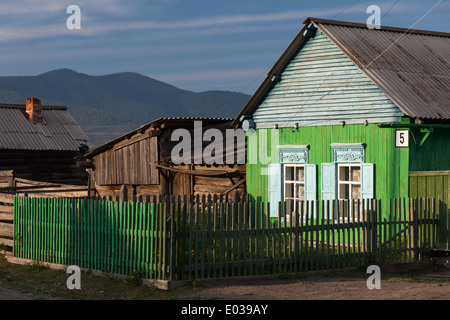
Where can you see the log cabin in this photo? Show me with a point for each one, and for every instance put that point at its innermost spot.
(141, 163)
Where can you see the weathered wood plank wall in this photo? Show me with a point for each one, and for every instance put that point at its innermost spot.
(50, 166)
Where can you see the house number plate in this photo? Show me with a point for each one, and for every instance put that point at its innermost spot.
(402, 138)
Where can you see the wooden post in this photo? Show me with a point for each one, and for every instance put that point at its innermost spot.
(123, 195)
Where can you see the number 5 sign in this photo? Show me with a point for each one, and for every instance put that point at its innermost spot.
(402, 138)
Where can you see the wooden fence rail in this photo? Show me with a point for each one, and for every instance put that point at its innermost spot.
(180, 239)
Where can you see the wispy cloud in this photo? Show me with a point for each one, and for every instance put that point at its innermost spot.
(30, 7)
(95, 20)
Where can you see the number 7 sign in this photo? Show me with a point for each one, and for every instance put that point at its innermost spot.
(402, 138)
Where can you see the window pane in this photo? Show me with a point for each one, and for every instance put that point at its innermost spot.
(344, 191)
(300, 174)
(344, 174)
(356, 191)
(300, 192)
(289, 190)
(356, 174)
(289, 173)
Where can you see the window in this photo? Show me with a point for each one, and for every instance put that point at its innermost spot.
(292, 179)
(294, 183)
(349, 181)
(348, 177)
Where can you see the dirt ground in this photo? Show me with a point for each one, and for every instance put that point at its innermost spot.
(432, 284)
(7, 293)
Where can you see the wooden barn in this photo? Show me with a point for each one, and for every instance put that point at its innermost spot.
(349, 112)
(41, 143)
(141, 161)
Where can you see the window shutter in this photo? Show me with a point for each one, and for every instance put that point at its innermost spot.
(310, 182)
(367, 181)
(328, 181)
(275, 187)
(310, 189)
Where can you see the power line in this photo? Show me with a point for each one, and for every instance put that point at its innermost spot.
(339, 65)
(346, 9)
(267, 70)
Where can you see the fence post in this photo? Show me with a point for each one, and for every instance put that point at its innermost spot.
(375, 208)
(414, 229)
(371, 235)
(123, 194)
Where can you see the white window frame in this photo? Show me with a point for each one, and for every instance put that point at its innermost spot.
(294, 182)
(346, 182)
(350, 184)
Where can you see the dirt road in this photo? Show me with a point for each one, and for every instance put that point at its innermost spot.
(7, 293)
(331, 287)
(434, 285)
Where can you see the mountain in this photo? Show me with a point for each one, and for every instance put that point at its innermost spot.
(111, 105)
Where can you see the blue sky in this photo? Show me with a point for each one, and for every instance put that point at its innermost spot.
(195, 45)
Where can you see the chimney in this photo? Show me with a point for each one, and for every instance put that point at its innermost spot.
(34, 110)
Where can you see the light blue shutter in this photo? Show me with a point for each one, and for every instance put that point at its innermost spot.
(311, 187)
(275, 187)
(367, 179)
(310, 182)
(328, 185)
(328, 181)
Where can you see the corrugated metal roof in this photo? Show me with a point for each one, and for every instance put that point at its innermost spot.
(414, 73)
(178, 121)
(58, 130)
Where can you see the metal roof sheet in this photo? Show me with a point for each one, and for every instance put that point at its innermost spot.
(413, 69)
(58, 131)
(414, 72)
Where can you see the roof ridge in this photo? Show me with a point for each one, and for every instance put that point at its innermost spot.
(383, 28)
(20, 106)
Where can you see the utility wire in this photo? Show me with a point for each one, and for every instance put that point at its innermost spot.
(269, 68)
(344, 59)
(342, 11)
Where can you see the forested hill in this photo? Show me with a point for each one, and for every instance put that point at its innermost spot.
(111, 105)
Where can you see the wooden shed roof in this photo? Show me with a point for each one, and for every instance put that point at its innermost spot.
(171, 122)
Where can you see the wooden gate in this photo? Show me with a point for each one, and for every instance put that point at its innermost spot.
(411, 228)
(435, 184)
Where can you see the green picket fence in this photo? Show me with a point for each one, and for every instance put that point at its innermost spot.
(186, 238)
(216, 239)
(116, 237)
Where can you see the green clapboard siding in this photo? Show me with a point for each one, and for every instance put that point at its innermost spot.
(434, 154)
(390, 163)
(431, 184)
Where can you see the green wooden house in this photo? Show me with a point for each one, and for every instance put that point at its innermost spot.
(349, 112)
